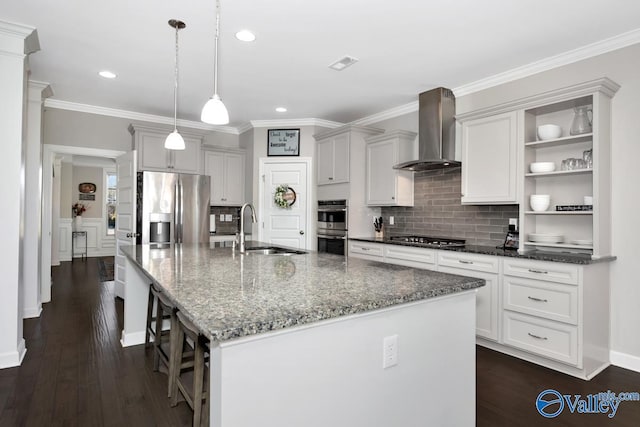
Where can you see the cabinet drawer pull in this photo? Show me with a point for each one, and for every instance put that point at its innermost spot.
(537, 299)
(330, 178)
(537, 336)
(465, 262)
(365, 249)
(538, 271)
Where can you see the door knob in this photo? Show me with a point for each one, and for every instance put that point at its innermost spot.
(301, 232)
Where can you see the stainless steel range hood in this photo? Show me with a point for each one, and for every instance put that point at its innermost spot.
(437, 132)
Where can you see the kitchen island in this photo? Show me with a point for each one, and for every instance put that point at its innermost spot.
(298, 340)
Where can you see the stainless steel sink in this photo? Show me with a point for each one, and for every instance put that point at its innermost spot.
(273, 250)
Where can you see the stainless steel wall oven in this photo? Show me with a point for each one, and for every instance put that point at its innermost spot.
(332, 226)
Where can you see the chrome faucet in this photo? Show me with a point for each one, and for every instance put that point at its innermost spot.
(240, 238)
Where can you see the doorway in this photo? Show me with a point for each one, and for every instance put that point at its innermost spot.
(289, 226)
(51, 223)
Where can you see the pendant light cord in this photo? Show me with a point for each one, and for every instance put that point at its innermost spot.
(215, 57)
(175, 88)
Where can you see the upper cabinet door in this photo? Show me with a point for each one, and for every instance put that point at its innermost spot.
(381, 177)
(214, 167)
(234, 179)
(325, 161)
(341, 159)
(187, 160)
(489, 147)
(152, 155)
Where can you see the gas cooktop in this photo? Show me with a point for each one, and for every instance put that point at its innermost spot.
(436, 242)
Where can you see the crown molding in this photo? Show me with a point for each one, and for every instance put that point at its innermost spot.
(26, 39)
(39, 90)
(124, 114)
(598, 48)
(294, 122)
(387, 114)
(594, 49)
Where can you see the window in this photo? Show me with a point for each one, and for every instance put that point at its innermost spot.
(111, 180)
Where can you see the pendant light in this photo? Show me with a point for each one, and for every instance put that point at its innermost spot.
(174, 141)
(214, 112)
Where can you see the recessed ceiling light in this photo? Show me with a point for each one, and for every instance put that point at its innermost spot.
(245, 36)
(107, 74)
(281, 110)
(343, 63)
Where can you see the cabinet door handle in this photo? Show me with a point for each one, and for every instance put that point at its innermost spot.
(538, 271)
(465, 262)
(330, 178)
(537, 336)
(537, 299)
(393, 197)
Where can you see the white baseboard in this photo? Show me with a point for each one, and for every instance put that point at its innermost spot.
(626, 361)
(13, 358)
(135, 338)
(32, 312)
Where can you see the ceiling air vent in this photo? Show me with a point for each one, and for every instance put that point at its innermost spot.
(343, 63)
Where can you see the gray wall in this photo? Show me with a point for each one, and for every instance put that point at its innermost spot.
(437, 212)
(66, 181)
(95, 176)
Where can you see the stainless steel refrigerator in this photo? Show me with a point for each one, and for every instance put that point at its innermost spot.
(172, 208)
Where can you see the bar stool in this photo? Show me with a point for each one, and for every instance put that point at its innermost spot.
(150, 331)
(185, 332)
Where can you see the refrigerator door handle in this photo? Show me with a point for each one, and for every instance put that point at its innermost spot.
(176, 213)
(181, 209)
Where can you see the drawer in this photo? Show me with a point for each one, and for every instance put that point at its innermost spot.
(475, 262)
(366, 250)
(557, 341)
(553, 301)
(542, 270)
(410, 257)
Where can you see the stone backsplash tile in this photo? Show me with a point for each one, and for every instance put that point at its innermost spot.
(438, 212)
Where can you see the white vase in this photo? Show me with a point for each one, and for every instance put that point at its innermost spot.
(77, 223)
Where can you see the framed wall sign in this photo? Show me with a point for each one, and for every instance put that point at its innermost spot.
(283, 142)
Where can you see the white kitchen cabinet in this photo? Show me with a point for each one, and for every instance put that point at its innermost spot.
(559, 312)
(386, 186)
(410, 257)
(333, 159)
(489, 159)
(488, 297)
(227, 171)
(152, 156)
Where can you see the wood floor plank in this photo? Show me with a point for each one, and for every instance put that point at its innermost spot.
(76, 373)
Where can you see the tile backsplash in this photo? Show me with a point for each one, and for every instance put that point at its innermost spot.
(224, 227)
(438, 212)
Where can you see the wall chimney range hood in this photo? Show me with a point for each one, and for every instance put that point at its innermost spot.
(437, 132)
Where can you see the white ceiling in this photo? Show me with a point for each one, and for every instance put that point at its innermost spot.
(404, 47)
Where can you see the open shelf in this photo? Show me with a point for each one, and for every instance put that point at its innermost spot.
(559, 213)
(560, 173)
(573, 139)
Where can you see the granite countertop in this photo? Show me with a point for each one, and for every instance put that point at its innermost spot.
(230, 295)
(570, 258)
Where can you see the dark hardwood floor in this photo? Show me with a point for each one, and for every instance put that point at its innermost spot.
(76, 373)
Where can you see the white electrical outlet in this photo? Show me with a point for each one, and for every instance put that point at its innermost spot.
(221, 217)
(390, 351)
(514, 222)
(228, 217)
(391, 220)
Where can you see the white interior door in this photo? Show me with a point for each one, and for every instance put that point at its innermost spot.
(125, 214)
(285, 226)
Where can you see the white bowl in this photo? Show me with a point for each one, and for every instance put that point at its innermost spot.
(541, 167)
(539, 202)
(549, 132)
